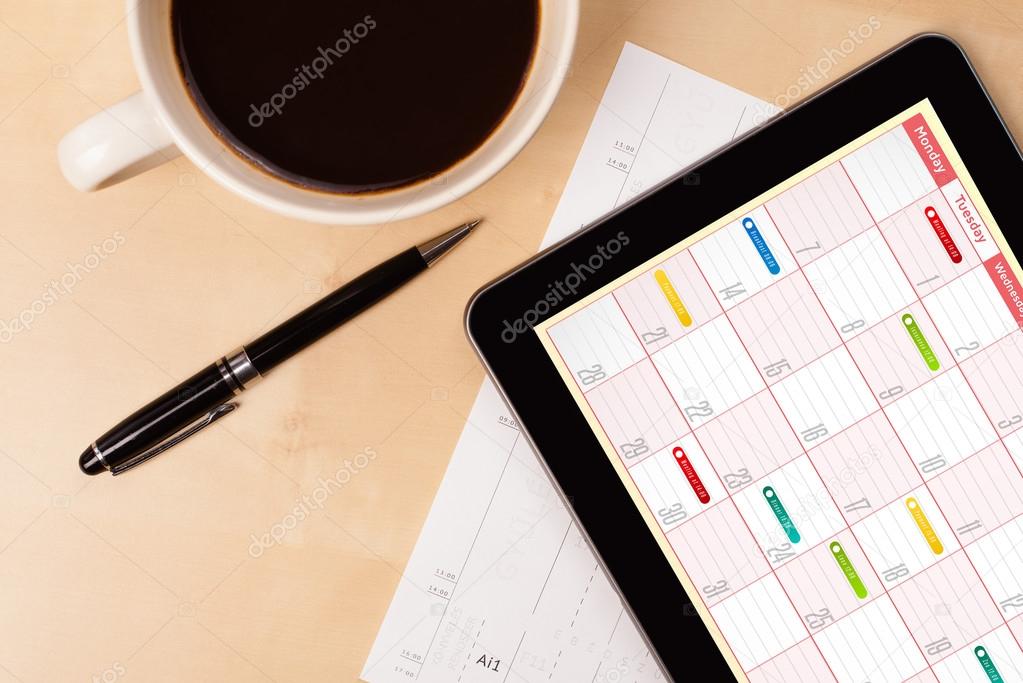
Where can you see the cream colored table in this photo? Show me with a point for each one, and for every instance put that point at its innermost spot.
(155, 576)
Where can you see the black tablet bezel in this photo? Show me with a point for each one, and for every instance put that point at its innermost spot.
(926, 67)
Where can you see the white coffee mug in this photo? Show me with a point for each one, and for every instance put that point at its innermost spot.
(161, 122)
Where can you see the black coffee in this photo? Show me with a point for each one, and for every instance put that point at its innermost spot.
(355, 96)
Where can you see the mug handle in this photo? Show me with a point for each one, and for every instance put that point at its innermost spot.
(117, 143)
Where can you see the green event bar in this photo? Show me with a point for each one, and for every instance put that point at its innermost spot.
(989, 667)
(922, 345)
(783, 516)
(846, 565)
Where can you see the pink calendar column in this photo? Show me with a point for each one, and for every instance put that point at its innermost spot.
(980, 494)
(998, 557)
(945, 607)
(830, 581)
(719, 553)
(994, 652)
(865, 467)
(1016, 629)
(996, 374)
(668, 301)
(636, 412)
(900, 353)
(784, 328)
(800, 664)
(749, 441)
(929, 243)
(819, 214)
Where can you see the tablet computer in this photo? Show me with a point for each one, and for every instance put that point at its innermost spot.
(785, 403)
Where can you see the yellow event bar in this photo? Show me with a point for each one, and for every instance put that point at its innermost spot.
(674, 300)
(925, 526)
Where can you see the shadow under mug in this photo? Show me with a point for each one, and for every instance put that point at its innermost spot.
(161, 122)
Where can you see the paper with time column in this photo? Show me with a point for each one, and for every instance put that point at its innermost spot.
(501, 585)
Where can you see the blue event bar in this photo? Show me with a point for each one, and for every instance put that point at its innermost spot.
(758, 241)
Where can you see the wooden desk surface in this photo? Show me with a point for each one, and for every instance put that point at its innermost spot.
(153, 577)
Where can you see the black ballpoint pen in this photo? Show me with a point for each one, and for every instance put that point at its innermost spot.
(206, 396)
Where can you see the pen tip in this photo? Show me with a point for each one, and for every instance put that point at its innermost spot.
(432, 250)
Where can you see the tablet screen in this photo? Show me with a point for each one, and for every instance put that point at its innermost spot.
(816, 403)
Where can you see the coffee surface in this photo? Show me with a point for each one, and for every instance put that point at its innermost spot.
(355, 96)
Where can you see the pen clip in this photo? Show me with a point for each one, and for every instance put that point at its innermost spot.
(197, 426)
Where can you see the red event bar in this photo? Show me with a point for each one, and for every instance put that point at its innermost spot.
(942, 232)
(929, 150)
(694, 479)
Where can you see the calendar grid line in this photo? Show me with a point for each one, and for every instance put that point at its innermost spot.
(851, 426)
(994, 428)
(727, 493)
(845, 616)
(937, 661)
(821, 479)
(779, 314)
(806, 453)
(849, 527)
(925, 484)
(674, 552)
(824, 542)
(864, 330)
(879, 509)
(980, 637)
(797, 393)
